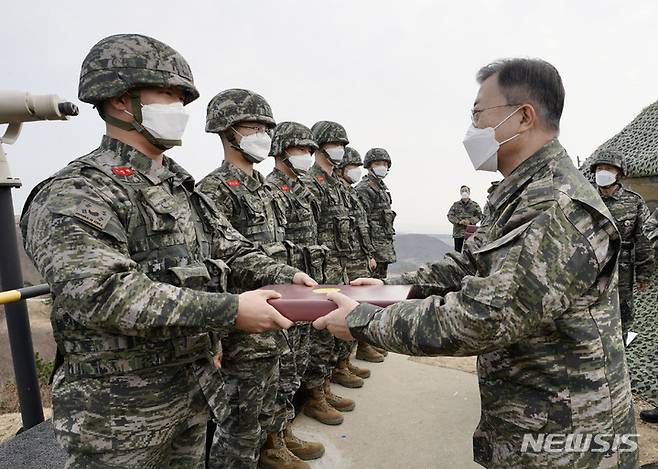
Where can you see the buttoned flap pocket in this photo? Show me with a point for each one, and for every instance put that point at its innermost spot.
(160, 208)
(219, 273)
(276, 251)
(520, 410)
(280, 207)
(343, 232)
(194, 276)
(626, 224)
(389, 220)
(255, 208)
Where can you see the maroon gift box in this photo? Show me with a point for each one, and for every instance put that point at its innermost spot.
(301, 303)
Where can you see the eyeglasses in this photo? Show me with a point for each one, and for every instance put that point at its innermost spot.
(476, 112)
(256, 128)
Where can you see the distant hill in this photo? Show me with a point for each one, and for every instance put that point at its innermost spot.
(414, 250)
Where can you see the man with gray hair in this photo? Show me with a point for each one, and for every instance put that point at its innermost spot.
(533, 294)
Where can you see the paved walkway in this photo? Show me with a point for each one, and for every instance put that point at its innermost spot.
(408, 415)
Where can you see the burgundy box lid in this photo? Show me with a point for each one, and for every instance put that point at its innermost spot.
(300, 303)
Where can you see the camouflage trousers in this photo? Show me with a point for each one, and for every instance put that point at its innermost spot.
(146, 419)
(355, 267)
(291, 371)
(626, 281)
(251, 390)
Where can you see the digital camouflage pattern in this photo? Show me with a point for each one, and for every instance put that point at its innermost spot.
(376, 200)
(291, 134)
(376, 154)
(608, 156)
(123, 62)
(250, 362)
(329, 132)
(534, 295)
(460, 210)
(636, 258)
(136, 260)
(237, 105)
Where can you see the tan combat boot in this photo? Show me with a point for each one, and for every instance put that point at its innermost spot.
(360, 372)
(367, 353)
(381, 350)
(275, 455)
(343, 376)
(337, 402)
(305, 450)
(319, 409)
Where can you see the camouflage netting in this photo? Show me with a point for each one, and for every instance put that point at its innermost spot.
(638, 141)
(642, 354)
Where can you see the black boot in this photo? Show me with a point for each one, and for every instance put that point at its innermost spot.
(650, 416)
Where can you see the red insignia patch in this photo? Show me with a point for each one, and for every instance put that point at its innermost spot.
(123, 170)
(285, 187)
(233, 182)
(320, 178)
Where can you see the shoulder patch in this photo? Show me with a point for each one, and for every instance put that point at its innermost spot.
(284, 188)
(123, 170)
(233, 182)
(320, 178)
(93, 214)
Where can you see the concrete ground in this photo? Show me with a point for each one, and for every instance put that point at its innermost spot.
(408, 415)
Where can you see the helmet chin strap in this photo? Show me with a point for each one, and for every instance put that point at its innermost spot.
(136, 124)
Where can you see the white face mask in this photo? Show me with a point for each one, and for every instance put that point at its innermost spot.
(605, 178)
(354, 175)
(302, 162)
(465, 195)
(165, 121)
(482, 146)
(380, 171)
(256, 146)
(335, 154)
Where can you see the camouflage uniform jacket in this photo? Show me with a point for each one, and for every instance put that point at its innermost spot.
(460, 210)
(249, 205)
(376, 200)
(334, 225)
(534, 295)
(135, 259)
(360, 242)
(631, 214)
(299, 211)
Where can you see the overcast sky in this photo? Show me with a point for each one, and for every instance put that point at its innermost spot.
(396, 74)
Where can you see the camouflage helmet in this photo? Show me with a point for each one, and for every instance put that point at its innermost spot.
(237, 105)
(291, 134)
(377, 154)
(352, 157)
(609, 156)
(124, 62)
(329, 132)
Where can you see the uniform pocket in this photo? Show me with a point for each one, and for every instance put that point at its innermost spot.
(160, 209)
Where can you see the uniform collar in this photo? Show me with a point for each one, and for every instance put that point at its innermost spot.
(501, 192)
(253, 182)
(150, 169)
(615, 195)
(316, 170)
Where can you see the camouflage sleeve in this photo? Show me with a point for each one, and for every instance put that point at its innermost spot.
(452, 216)
(644, 254)
(438, 278)
(79, 245)
(477, 216)
(214, 188)
(650, 227)
(537, 276)
(366, 195)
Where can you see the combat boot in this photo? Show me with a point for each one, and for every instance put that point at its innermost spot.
(343, 376)
(275, 455)
(382, 351)
(337, 402)
(319, 409)
(366, 352)
(650, 416)
(305, 450)
(362, 373)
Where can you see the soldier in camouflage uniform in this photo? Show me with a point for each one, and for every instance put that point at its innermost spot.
(292, 147)
(534, 294)
(250, 362)
(630, 213)
(333, 231)
(376, 199)
(359, 262)
(138, 262)
(462, 213)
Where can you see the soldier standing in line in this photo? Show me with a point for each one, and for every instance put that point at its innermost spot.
(292, 148)
(636, 260)
(138, 262)
(333, 232)
(250, 362)
(462, 213)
